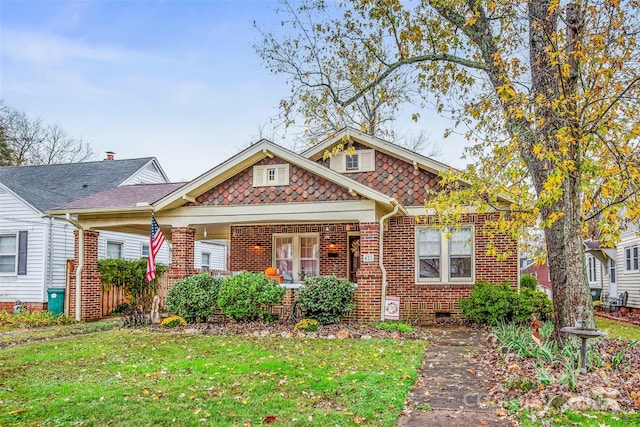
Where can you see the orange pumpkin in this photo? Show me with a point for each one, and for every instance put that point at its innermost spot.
(270, 271)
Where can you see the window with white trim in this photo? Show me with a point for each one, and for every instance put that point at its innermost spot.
(444, 256)
(357, 161)
(144, 251)
(296, 256)
(8, 253)
(612, 271)
(114, 250)
(270, 175)
(205, 261)
(631, 258)
(591, 269)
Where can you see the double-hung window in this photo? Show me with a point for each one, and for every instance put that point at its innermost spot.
(144, 250)
(114, 250)
(296, 256)
(444, 256)
(591, 269)
(612, 271)
(205, 261)
(631, 258)
(8, 253)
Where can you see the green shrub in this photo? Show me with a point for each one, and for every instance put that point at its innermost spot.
(132, 276)
(527, 281)
(492, 303)
(248, 296)
(194, 298)
(326, 298)
(394, 326)
(33, 319)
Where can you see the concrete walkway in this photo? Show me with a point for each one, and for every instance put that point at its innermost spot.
(452, 390)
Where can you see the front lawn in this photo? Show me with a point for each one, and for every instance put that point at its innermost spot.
(619, 330)
(122, 377)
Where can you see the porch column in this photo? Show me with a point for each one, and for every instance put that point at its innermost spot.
(182, 254)
(91, 291)
(369, 292)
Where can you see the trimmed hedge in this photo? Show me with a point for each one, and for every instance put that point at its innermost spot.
(194, 298)
(326, 298)
(248, 296)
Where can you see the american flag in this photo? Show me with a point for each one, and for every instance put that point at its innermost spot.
(155, 243)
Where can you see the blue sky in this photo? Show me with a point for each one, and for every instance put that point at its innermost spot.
(177, 80)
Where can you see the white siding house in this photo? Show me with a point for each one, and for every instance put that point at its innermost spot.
(34, 248)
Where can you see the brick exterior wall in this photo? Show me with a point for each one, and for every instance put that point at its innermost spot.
(421, 301)
(91, 291)
(304, 186)
(369, 292)
(244, 255)
(31, 306)
(182, 254)
(396, 178)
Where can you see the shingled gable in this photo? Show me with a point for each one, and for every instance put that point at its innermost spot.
(345, 135)
(252, 156)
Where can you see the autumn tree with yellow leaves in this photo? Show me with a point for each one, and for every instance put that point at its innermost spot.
(547, 93)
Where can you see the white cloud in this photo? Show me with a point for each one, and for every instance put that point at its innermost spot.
(49, 48)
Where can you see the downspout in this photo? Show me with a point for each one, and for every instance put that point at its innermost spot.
(80, 265)
(395, 210)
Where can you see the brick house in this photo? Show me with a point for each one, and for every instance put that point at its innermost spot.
(358, 215)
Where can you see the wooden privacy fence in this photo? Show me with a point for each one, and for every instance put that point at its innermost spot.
(114, 296)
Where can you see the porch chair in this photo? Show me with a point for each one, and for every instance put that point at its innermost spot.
(614, 304)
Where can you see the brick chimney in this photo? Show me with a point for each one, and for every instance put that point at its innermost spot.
(110, 155)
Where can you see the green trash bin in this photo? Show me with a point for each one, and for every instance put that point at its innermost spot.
(56, 300)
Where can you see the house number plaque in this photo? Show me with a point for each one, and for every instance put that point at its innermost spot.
(367, 257)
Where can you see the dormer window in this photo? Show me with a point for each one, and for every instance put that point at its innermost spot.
(352, 162)
(272, 175)
(358, 161)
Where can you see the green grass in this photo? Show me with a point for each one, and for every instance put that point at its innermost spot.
(591, 419)
(9, 337)
(128, 377)
(620, 330)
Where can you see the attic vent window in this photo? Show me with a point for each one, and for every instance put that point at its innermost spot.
(359, 161)
(272, 175)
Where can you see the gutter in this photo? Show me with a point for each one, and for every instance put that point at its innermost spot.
(80, 264)
(396, 208)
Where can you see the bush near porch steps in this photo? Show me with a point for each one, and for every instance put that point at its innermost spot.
(326, 298)
(248, 296)
(492, 303)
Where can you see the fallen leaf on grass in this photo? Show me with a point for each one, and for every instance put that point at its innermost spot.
(269, 419)
(16, 411)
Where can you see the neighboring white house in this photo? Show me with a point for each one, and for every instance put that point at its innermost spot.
(34, 248)
(617, 269)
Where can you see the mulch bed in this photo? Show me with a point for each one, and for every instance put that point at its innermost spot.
(630, 318)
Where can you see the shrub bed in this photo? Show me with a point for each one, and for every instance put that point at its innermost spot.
(326, 298)
(194, 298)
(249, 296)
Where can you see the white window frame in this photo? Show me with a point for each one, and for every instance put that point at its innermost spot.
(205, 266)
(113, 242)
(366, 161)
(295, 250)
(142, 254)
(271, 175)
(631, 260)
(445, 257)
(352, 162)
(8, 254)
(592, 273)
(613, 273)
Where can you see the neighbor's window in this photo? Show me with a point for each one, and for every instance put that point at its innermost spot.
(443, 256)
(206, 257)
(114, 250)
(144, 252)
(631, 258)
(8, 253)
(296, 256)
(612, 271)
(591, 269)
